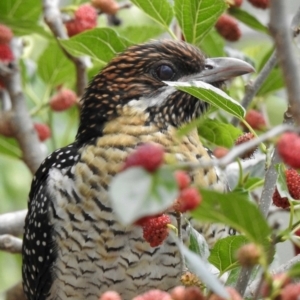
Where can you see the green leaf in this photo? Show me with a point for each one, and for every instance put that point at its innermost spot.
(219, 133)
(198, 243)
(213, 45)
(212, 95)
(265, 56)
(136, 193)
(22, 16)
(248, 19)
(24, 28)
(102, 44)
(253, 183)
(235, 210)
(23, 11)
(140, 34)
(233, 277)
(159, 10)
(294, 271)
(54, 67)
(272, 83)
(222, 255)
(186, 128)
(10, 147)
(197, 17)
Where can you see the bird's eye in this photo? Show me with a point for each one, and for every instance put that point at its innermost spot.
(208, 67)
(165, 72)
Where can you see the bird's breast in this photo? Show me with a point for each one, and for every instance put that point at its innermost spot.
(94, 251)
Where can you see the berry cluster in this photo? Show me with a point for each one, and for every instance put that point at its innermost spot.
(190, 279)
(249, 255)
(63, 100)
(85, 18)
(178, 293)
(288, 147)
(43, 131)
(255, 119)
(290, 292)
(220, 152)
(189, 197)
(6, 54)
(243, 139)
(233, 293)
(155, 229)
(293, 185)
(263, 4)
(150, 157)
(280, 287)
(234, 3)
(5, 34)
(228, 26)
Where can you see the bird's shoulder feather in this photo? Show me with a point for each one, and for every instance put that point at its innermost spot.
(38, 246)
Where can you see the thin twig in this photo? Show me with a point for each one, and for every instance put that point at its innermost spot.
(53, 19)
(236, 151)
(269, 185)
(243, 279)
(179, 228)
(252, 288)
(253, 87)
(286, 266)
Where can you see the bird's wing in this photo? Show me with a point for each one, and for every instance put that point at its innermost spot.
(38, 244)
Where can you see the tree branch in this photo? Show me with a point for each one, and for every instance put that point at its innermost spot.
(19, 122)
(5, 124)
(253, 87)
(15, 292)
(13, 223)
(286, 55)
(269, 185)
(10, 244)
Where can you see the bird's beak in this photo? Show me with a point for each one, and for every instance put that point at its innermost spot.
(224, 68)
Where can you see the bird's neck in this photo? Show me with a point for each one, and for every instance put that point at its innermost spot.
(122, 119)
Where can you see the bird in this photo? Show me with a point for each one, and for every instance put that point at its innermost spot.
(74, 246)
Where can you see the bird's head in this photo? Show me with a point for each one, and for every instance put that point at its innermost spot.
(136, 78)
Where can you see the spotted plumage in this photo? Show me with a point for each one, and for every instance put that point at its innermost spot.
(74, 246)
